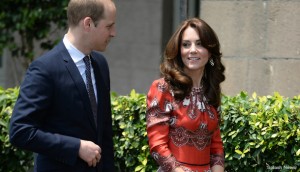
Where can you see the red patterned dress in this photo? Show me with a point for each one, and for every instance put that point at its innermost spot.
(182, 133)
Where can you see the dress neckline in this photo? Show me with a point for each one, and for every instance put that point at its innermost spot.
(196, 90)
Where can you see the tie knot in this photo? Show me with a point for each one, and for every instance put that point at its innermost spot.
(86, 59)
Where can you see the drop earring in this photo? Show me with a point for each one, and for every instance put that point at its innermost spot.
(211, 62)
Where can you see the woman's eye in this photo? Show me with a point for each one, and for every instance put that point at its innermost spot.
(185, 45)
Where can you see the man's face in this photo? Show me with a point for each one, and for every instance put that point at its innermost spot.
(105, 29)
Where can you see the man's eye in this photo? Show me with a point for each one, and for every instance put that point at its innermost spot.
(110, 26)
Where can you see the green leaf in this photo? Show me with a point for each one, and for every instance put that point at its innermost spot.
(239, 152)
(274, 135)
(144, 162)
(298, 152)
(286, 118)
(139, 168)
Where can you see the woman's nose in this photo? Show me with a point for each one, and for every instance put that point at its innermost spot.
(193, 49)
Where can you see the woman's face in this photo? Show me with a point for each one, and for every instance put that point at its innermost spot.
(193, 54)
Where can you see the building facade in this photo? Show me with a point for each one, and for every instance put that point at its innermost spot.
(260, 42)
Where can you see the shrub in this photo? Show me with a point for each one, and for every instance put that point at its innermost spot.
(130, 137)
(12, 159)
(259, 133)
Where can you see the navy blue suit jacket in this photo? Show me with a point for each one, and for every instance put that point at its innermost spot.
(53, 113)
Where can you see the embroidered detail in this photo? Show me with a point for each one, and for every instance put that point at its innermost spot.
(196, 101)
(203, 125)
(155, 115)
(186, 102)
(201, 106)
(172, 121)
(162, 86)
(211, 115)
(169, 163)
(207, 171)
(185, 169)
(217, 160)
(168, 107)
(199, 138)
(166, 163)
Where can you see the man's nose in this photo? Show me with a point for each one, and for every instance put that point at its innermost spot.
(113, 32)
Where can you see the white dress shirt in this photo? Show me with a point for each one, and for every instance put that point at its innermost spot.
(77, 56)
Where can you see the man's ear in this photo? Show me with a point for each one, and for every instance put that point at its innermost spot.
(87, 22)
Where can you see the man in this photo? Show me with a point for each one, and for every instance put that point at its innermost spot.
(63, 112)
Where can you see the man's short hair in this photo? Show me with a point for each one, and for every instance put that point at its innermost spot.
(79, 9)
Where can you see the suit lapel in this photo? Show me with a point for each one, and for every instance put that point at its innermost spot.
(78, 81)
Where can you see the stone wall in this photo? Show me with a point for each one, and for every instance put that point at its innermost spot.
(134, 54)
(260, 42)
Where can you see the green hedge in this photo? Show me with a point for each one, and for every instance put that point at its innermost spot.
(259, 133)
(11, 159)
(130, 140)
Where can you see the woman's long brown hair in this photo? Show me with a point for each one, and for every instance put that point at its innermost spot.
(172, 66)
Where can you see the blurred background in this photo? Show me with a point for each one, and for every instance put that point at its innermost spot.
(260, 42)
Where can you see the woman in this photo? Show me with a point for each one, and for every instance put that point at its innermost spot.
(182, 106)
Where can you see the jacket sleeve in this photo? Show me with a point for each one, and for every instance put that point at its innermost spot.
(26, 125)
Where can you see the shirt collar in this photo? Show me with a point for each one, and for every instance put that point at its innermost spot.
(75, 54)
